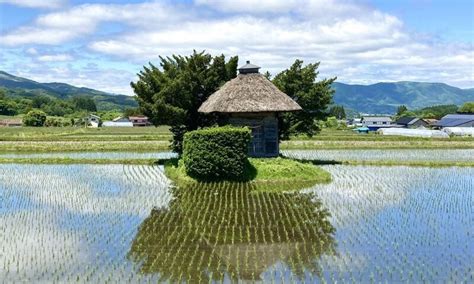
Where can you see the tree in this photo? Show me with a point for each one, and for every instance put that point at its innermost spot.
(331, 122)
(437, 111)
(8, 107)
(131, 112)
(84, 103)
(172, 94)
(467, 107)
(40, 101)
(337, 111)
(34, 118)
(300, 84)
(401, 109)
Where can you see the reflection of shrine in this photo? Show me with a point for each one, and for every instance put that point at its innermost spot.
(224, 232)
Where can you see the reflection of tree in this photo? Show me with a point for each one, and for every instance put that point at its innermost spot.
(219, 231)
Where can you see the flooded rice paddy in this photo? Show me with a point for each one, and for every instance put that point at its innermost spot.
(114, 223)
(447, 155)
(409, 155)
(93, 155)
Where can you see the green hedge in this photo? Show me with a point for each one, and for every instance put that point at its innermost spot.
(218, 153)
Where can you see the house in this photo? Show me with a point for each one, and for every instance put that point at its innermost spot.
(118, 122)
(252, 100)
(431, 121)
(139, 120)
(93, 120)
(13, 122)
(376, 122)
(411, 122)
(353, 122)
(456, 120)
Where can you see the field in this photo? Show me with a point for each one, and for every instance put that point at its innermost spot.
(90, 205)
(124, 223)
(150, 139)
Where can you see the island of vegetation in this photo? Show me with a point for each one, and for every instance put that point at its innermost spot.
(220, 154)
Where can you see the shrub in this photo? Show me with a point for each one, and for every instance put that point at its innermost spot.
(56, 122)
(34, 118)
(218, 153)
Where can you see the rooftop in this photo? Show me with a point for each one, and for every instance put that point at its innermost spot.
(407, 120)
(451, 120)
(249, 92)
(248, 68)
(377, 118)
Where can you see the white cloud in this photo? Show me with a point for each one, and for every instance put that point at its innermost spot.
(262, 6)
(55, 57)
(64, 26)
(354, 42)
(50, 4)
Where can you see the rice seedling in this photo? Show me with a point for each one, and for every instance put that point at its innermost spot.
(415, 155)
(127, 223)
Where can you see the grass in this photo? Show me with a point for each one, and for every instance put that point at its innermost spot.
(270, 174)
(82, 146)
(65, 139)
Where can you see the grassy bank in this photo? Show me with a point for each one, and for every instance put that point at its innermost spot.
(266, 174)
(65, 139)
(282, 172)
(156, 145)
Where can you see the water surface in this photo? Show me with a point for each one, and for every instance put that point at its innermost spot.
(114, 223)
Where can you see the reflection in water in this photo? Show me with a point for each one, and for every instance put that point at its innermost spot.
(231, 232)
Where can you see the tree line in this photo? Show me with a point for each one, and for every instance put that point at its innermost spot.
(171, 93)
(435, 112)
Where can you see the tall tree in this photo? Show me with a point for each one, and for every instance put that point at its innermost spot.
(299, 82)
(401, 109)
(467, 107)
(337, 111)
(84, 103)
(172, 94)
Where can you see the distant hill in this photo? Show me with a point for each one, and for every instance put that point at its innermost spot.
(386, 97)
(21, 87)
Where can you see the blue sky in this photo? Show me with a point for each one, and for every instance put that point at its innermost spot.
(103, 44)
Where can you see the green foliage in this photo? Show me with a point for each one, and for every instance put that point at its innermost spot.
(109, 115)
(467, 107)
(218, 153)
(56, 122)
(172, 94)
(8, 107)
(337, 111)
(132, 112)
(34, 118)
(84, 103)
(300, 84)
(401, 109)
(436, 111)
(331, 122)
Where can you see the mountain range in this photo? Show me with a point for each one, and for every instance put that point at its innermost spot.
(384, 98)
(381, 98)
(21, 87)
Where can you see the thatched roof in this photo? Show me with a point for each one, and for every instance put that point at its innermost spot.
(249, 93)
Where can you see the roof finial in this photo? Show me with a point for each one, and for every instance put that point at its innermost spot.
(249, 68)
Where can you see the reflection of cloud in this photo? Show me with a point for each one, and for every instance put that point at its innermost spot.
(358, 192)
(61, 222)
